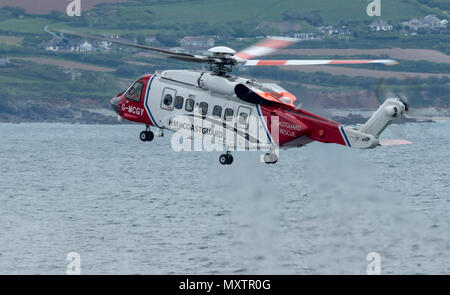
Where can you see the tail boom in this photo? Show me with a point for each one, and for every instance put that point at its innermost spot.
(367, 137)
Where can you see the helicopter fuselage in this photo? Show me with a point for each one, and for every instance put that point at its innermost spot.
(235, 112)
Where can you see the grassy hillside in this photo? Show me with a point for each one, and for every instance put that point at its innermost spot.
(170, 12)
(272, 10)
(233, 17)
(25, 80)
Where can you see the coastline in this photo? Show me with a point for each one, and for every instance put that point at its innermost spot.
(108, 117)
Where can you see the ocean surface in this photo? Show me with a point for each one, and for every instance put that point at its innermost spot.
(129, 207)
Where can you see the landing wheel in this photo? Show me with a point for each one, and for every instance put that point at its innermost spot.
(146, 136)
(226, 159)
(270, 158)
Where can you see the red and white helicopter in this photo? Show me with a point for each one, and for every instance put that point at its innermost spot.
(189, 100)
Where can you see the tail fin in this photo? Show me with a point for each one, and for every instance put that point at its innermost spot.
(367, 137)
(389, 111)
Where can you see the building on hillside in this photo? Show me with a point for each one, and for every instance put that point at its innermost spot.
(150, 39)
(330, 30)
(65, 45)
(428, 22)
(305, 36)
(197, 42)
(413, 24)
(86, 47)
(380, 25)
(326, 30)
(4, 61)
(60, 44)
(431, 22)
(103, 45)
(178, 50)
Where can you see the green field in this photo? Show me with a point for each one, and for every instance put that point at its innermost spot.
(27, 24)
(228, 19)
(207, 16)
(36, 81)
(9, 40)
(272, 10)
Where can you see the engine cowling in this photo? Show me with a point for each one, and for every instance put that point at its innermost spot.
(216, 84)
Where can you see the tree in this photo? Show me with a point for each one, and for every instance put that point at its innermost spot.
(16, 11)
(313, 18)
(167, 39)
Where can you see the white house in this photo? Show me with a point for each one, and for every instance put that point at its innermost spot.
(150, 39)
(103, 45)
(427, 22)
(414, 24)
(197, 42)
(60, 44)
(304, 36)
(177, 50)
(431, 21)
(380, 25)
(4, 61)
(85, 47)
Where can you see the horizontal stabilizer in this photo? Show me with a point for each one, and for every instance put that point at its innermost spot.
(388, 142)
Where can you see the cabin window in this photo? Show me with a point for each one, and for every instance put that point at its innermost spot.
(179, 102)
(217, 111)
(228, 115)
(168, 98)
(134, 93)
(203, 106)
(189, 105)
(243, 117)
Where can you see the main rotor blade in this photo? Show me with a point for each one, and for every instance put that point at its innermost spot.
(265, 47)
(170, 54)
(305, 62)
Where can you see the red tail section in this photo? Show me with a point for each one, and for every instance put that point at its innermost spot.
(293, 124)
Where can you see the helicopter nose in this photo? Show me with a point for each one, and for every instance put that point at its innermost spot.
(115, 104)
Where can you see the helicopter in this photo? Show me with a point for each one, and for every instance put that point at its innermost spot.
(240, 113)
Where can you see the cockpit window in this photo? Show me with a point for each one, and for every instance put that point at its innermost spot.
(134, 93)
(167, 100)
